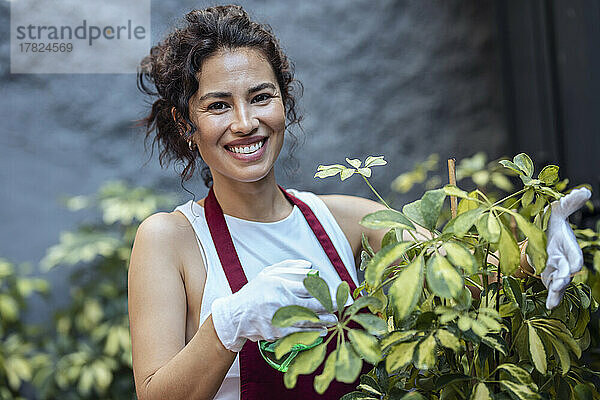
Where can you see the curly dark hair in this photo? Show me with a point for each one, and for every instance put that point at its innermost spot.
(172, 65)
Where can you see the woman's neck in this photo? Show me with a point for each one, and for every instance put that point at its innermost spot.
(254, 201)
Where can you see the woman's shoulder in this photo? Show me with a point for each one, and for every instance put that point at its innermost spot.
(348, 212)
(347, 207)
(166, 233)
(165, 225)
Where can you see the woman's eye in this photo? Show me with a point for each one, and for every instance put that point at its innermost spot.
(219, 105)
(261, 97)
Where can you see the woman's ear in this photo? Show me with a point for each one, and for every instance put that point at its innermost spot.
(182, 125)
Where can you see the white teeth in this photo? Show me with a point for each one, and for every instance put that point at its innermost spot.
(247, 149)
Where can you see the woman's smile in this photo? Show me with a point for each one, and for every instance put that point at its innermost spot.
(247, 149)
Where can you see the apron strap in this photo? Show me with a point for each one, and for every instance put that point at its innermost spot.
(223, 242)
(323, 239)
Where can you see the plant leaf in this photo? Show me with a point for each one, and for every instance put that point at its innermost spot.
(289, 315)
(519, 374)
(461, 224)
(495, 342)
(549, 175)
(562, 352)
(536, 246)
(362, 302)
(512, 289)
(323, 380)
(374, 161)
(431, 206)
(453, 190)
(460, 256)
(527, 197)
(342, 293)
(467, 204)
(413, 211)
(413, 396)
(397, 337)
(583, 391)
(356, 395)
(501, 181)
(355, 162)
(384, 258)
(347, 364)
(346, 173)
(558, 329)
(366, 345)
(447, 339)
(400, 356)
(524, 163)
(372, 323)
(447, 379)
(521, 391)
(488, 227)
(426, 356)
(481, 392)
(406, 288)
(318, 288)
(510, 256)
(366, 172)
(386, 219)
(536, 350)
(442, 277)
(391, 237)
(305, 363)
(324, 171)
(511, 165)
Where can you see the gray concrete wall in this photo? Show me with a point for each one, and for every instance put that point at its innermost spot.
(398, 78)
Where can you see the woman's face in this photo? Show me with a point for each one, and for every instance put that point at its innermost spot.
(240, 115)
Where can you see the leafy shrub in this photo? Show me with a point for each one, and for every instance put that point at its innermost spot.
(458, 314)
(88, 356)
(19, 355)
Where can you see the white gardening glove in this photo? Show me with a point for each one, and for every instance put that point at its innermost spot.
(247, 313)
(564, 255)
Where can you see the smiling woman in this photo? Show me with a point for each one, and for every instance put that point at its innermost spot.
(205, 280)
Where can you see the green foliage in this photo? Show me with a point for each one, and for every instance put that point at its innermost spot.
(460, 314)
(19, 355)
(85, 352)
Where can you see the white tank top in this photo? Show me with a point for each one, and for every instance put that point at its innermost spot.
(260, 244)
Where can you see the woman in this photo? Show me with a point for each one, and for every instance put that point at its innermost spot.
(208, 276)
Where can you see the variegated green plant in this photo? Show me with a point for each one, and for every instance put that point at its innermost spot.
(19, 355)
(88, 345)
(455, 313)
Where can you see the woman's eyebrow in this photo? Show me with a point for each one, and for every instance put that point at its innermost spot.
(258, 88)
(221, 95)
(218, 95)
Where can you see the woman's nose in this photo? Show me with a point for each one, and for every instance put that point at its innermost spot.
(244, 122)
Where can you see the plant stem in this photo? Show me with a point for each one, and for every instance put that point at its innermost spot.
(496, 352)
(375, 191)
(452, 181)
(508, 197)
(485, 277)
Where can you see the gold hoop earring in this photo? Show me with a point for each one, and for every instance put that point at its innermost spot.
(191, 145)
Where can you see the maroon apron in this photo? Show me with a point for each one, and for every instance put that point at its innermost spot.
(258, 380)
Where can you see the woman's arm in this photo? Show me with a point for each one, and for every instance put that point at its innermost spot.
(349, 210)
(164, 366)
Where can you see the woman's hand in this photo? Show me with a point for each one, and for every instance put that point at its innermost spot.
(564, 255)
(247, 313)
